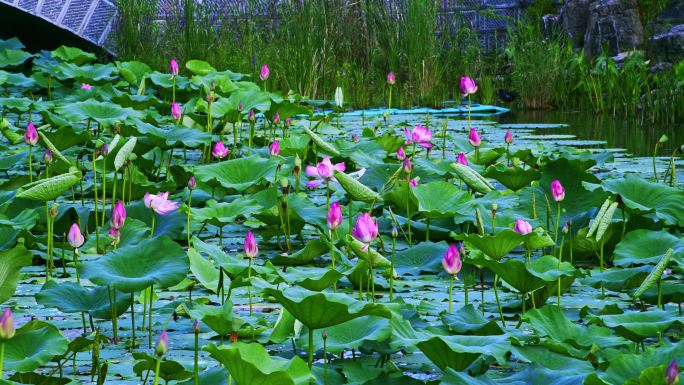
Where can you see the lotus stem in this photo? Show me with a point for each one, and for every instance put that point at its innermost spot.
(560, 259)
(655, 154)
(156, 371)
(498, 302)
(112, 305)
(451, 292)
(427, 229)
(603, 290)
(394, 248)
(311, 349)
(555, 239)
(327, 193)
(149, 320)
(152, 229)
(332, 253)
(251, 134)
(325, 360)
(196, 357)
(189, 212)
(444, 137)
(47, 227)
(2, 357)
(408, 209)
(64, 272)
(371, 281)
(389, 107)
(30, 161)
(104, 189)
(97, 228)
(482, 290)
(660, 297)
(249, 288)
(173, 89)
(465, 285)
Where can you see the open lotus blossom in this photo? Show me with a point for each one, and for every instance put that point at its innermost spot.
(162, 344)
(672, 373)
(86, 86)
(508, 138)
(468, 86)
(420, 135)
(176, 111)
(47, 156)
(557, 190)
(522, 226)
(323, 171)
(474, 137)
(334, 216)
(7, 327)
(461, 158)
(160, 203)
(391, 79)
(407, 166)
(220, 151)
(173, 67)
(75, 237)
(451, 262)
(118, 215)
(265, 72)
(401, 154)
(251, 248)
(31, 135)
(274, 148)
(366, 229)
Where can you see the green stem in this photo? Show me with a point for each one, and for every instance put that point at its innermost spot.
(2, 357)
(394, 248)
(555, 239)
(196, 358)
(325, 361)
(444, 137)
(97, 228)
(660, 294)
(372, 274)
(311, 349)
(655, 172)
(104, 189)
(327, 193)
(30, 161)
(156, 371)
(149, 320)
(189, 209)
(498, 302)
(389, 107)
(560, 259)
(251, 134)
(603, 290)
(332, 253)
(152, 229)
(249, 288)
(451, 292)
(465, 286)
(408, 209)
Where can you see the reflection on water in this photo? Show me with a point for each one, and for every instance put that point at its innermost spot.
(638, 138)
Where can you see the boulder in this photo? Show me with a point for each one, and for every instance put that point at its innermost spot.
(613, 25)
(574, 16)
(669, 44)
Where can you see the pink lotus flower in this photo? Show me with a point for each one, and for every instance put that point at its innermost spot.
(162, 344)
(474, 137)
(86, 86)
(508, 137)
(366, 229)
(451, 262)
(461, 158)
(265, 72)
(7, 327)
(468, 86)
(323, 171)
(557, 190)
(420, 135)
(391, 78)
(412, 182)
(160, 203)
(251, 248)
(401, 154)
(118, 215)
(672, 373)
(176, 111)
(355, 138)
(115, 235)
(274, 148)
(220, 151)
(192, 183)
(522, 227)
(407, 166)
(334, 216)
(173, 67)
(276, 118)
(75, 237)
(31, 135)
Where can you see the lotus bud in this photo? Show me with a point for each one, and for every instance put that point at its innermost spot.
(265, 73)
(220, 151)
(162, 344)
(522, 227)
(211, 97)
(251, 116)
(274, 148)
(192, 183)
(407, 166)
(461, 158)
(288, 122)
(54, 211)
(7, 327)
(86, 86)
(47, 157)
(565, 229)
(176, 111)
(557, 190)
(276, 118)
(324, 335)
(451, 262)
(196, 326)
(474, 137)
(468, 86)
(118, 215)
(75, 237)
(391, 78)
(355, 138)
(672, 373)
(508, 137)
(31, 135)
(401, 154)
(366, 229)
(251, 248)
(240, 106)
(395, 232)
(105, 149)
(494, 207)
(297, 161)
(334, 216)
(173, 67)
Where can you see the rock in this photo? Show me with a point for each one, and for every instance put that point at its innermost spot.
(573, 18)
(613, 25)
(669, 45)
(550, 24)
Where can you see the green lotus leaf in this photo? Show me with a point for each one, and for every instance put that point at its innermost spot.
(655, 275)
(365, 255)
(33, 346)
(423, 257)
(472, 178)
(199, 67)
(321, 143)
(459, 352)
(166, 81)
(171, 137)
(72, 55)
(70, 297)
(322, 310)
(439, 199)
(11, 261)
(552, 360)
(468, 320)
(107, 114)
(534, 374)
(238, 174)
(250, 364)
(514, 272)
(350, 335)
(313, 278)
(133, 71)
(124, 153)
(640, 247)
(50, 188)
(311, 250)
(159, 261)
(12, 57)
(11, 43)
(55, 152)
(494, 246)
(85, 73)
(204, 270)
(169, 370)
(617, 279)
(217, 318)
(637, 326)
(220, 214)
(514, 178)
(664, 202)
(356, 190)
